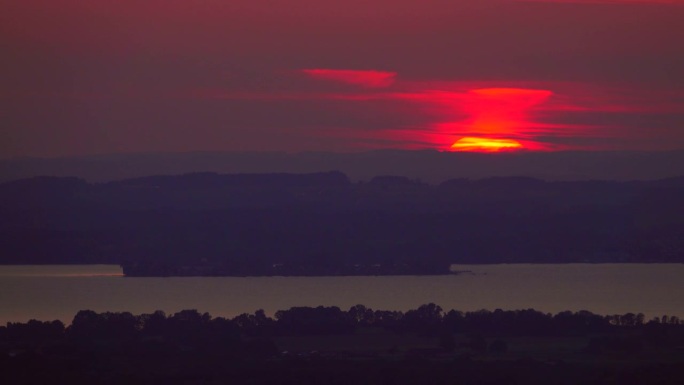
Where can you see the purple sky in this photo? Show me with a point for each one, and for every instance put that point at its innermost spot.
(83, 77)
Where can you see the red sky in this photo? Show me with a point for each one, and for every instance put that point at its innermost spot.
(84, 77)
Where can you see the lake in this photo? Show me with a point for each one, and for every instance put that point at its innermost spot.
(58, 292)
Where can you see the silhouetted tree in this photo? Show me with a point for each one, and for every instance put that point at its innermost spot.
(427, 318)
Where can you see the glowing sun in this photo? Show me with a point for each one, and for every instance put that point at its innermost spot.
(494, 115)
(485, 144)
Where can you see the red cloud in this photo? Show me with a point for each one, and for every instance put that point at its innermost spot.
(369, 79)
(478, 116)
(498, 117)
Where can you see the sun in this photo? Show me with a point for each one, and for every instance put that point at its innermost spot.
(493, 117)
(475, 144)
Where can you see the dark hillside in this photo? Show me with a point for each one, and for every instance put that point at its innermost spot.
(322, 224)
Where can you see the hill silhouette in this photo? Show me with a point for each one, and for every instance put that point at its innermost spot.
(324, 224)
(427, 165)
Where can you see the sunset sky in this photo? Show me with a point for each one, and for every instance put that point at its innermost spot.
(83, 77)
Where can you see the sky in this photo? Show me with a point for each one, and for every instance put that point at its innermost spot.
(84, 77)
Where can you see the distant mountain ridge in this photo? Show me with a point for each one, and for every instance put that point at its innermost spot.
(330, 184)
(325, 224)
(427, 165)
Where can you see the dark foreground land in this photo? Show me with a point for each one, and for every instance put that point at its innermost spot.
(326, 345)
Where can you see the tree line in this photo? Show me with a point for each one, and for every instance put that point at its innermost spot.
(191, 347)
(194, 327)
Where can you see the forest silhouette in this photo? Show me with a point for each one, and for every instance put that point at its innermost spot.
(190, 347)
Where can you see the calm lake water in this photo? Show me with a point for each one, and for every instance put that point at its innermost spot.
(58, 292)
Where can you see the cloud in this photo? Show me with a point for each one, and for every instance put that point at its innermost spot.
(541, 116)
(369, 79)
